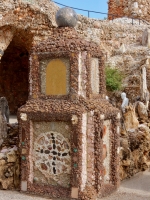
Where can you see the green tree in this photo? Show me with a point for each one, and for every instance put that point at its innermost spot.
(113, 79)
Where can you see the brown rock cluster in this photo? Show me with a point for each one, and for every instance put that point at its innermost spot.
(129, 8)
(115, 9)
(9, 160)
(134, 149)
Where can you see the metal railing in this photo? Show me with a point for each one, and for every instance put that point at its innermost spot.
(113, 16)
(88, 11)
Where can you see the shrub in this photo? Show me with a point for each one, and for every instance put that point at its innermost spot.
(113, 79)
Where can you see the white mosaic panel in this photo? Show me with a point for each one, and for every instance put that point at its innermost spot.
(106, 143)
(82, 76)
(80, 92)
(30, 153)
(84, 151)
(95, 75)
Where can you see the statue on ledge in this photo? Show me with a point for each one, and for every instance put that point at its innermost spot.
(4, 118)
(125, 101)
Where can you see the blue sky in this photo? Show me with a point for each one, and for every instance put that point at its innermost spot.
(93, 5)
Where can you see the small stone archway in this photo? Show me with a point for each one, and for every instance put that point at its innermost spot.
(14, 70)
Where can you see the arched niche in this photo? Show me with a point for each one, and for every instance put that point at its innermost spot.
(57, 82)
(14, 70)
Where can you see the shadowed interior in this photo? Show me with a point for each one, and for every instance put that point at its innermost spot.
(14, 75)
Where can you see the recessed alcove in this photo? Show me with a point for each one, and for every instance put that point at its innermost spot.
(14, 75)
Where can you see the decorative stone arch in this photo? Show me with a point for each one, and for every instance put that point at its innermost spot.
(6, 35)
(14, 66)
(26, 15)
(19, 26)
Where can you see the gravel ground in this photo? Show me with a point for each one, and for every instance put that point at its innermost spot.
(136, 188)
(8, 195)
(119, 195)
(126, 196)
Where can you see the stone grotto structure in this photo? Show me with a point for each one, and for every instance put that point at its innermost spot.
(68, 131)
(65, 144)
(69, 139)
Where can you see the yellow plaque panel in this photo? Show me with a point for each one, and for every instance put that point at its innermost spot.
(56, 78)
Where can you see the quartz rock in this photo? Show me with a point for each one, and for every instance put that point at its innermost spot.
(130, 119)
(145, 37)
(142, 111)
(11, 156)
(6, 183)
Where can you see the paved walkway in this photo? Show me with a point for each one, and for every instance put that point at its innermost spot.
(136, 188)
